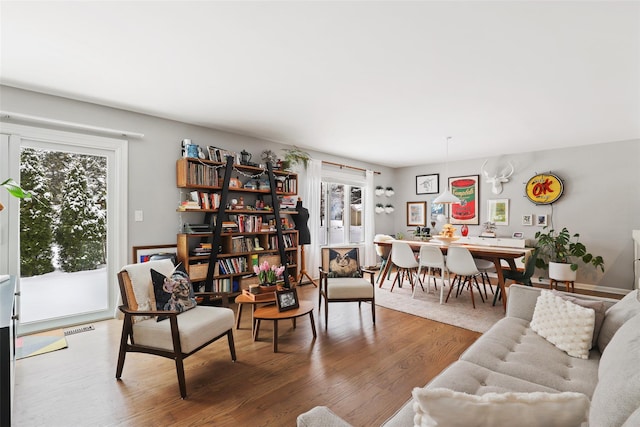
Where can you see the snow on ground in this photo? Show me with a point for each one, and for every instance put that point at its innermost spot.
(58, 294)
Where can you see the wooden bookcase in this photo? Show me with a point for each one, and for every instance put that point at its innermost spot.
(230, 234)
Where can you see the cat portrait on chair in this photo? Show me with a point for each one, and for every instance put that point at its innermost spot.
(344, 263)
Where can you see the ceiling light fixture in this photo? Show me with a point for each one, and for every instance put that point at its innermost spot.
(446, 196)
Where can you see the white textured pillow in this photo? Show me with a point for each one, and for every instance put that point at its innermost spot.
(564, 324)
(447, 408)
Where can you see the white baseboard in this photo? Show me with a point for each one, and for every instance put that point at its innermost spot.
(582, 286)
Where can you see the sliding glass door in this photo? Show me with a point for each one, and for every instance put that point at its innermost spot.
(70, 241)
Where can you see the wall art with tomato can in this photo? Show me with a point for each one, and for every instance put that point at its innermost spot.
(467, 189)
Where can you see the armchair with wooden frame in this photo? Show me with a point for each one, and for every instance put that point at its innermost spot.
(177, 337)
(341, 280)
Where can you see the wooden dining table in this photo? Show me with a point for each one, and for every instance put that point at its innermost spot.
(494, 254)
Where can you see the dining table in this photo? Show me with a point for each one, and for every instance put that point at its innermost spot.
(494, 254)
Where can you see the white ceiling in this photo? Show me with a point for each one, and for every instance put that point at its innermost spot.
(385, 81)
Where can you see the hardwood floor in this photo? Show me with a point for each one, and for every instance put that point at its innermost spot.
(363, 373)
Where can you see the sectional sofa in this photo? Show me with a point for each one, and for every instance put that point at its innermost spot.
(521, 369)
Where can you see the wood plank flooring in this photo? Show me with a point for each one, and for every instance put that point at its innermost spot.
(363, 373)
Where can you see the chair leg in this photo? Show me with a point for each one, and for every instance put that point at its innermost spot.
(232, 346)
(126, 327)
(181, 380)
(326, 313)
(471, 290)
(451, 287)
(478, 287)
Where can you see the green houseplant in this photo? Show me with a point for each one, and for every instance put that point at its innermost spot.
(15, 190)
(563, 248)
(294, 156)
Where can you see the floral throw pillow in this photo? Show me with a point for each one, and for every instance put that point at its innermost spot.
(174, 293)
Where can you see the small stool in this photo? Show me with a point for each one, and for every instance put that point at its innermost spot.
(569, 285)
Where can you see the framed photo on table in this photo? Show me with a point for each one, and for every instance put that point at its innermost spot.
(467, 189)
(416, 214)
(428, 184)
(287, 299)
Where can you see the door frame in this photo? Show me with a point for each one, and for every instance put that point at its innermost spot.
(117, 226)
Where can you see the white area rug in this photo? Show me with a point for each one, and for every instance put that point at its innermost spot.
(458, 311)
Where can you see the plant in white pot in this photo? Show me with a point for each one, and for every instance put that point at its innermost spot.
(560, 251)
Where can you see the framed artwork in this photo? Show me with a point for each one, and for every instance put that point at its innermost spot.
(498, 211)
(518, 235)
(527, 219)
(467, 189)
(428, 184)
(416, 213)
(438, 209)
(145, 253)
(542, 220)
(287, 299)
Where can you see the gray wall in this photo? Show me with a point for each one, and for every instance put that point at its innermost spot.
(601, 199)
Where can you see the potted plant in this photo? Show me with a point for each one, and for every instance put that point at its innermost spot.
(379, 190)
(294, 156)
(379, 208)
(560, 251)
(15, 190)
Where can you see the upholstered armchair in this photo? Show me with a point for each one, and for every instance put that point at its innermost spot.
(179, 328)
(341, 280)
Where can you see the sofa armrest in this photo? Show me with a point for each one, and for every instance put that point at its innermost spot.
(321, 416)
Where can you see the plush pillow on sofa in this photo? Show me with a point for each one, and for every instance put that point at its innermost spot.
(174, 293)
(444, 407)
(617, 315)
(599, 307)
(564, 324)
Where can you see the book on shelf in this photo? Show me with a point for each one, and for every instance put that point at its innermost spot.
(196, 228)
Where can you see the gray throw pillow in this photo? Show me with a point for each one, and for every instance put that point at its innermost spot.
(616, 316)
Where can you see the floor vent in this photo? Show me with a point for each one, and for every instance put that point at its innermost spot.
(78, 330)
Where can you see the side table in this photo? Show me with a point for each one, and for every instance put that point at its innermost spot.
(271, 312)
(243, 299)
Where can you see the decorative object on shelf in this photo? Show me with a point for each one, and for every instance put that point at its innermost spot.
(544, 188)
(269, 156)
(389, 191)
(446, 196)
(389, 208)
(295, 156)
(379, 208)
(422, 233)
(495, 180)
(416, 213)
(428, 184)
(268, 274)
(467, 190)
(245, 157)
(464, 230)
(379, 191)
(488, 229)
(498, 211)
(563, 248)
(447, 235)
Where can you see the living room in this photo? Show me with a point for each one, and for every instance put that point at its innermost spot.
(591, 166)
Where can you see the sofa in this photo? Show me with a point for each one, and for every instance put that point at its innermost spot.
(514, 371)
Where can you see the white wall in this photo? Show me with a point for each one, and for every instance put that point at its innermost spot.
(601, 200)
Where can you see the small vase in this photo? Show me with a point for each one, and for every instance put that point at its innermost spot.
(464, 230)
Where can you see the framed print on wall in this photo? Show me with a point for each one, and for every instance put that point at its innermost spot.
(416, 213)
(438, 209)
(428, 184)
(498, 211)
(541, 220)
(467, 189)
(527, 219)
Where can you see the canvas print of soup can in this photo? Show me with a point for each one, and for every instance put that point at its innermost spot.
(466, 189)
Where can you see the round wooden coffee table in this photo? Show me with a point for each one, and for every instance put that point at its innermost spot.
(242, 300)
(271, 312)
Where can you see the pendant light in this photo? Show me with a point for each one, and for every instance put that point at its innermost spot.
(446, 196)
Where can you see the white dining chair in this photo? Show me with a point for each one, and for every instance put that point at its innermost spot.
(431, 258)
(406, 264)
(460, 262)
